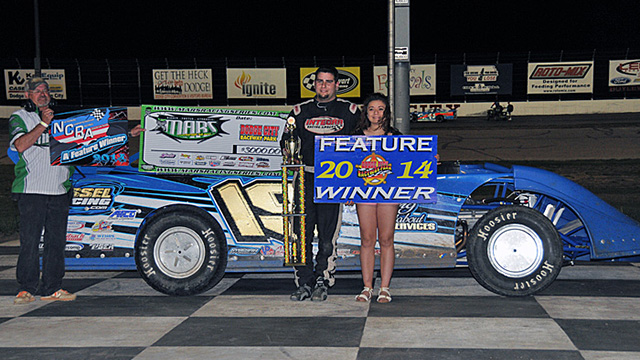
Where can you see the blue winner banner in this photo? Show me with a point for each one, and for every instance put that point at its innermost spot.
(375, 169)
(91, 137)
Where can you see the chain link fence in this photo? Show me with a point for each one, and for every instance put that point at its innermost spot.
(129, 82)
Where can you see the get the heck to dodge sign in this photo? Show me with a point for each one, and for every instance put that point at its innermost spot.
(375, 169)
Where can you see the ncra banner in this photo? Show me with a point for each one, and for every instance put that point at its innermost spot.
(375, 169)
(348, 82)
(90, 137)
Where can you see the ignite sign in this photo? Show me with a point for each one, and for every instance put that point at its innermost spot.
(375, 169)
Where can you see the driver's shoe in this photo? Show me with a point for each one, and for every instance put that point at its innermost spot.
(302, 293)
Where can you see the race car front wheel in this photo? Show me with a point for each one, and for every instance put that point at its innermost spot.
(181, 254)
(514, 251)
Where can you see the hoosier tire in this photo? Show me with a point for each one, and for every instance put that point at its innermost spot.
(181, 254)
(514, 251)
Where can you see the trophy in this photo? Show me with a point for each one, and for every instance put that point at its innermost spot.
(294, 244)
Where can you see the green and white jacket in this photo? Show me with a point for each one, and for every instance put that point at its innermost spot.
(34, 173)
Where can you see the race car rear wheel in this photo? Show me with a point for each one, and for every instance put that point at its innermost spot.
(439, 118)
(181, 254)
(514, 251)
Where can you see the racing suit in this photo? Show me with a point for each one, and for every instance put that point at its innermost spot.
(336, 117)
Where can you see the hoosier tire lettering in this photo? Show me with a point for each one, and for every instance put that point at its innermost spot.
(181, 252)
(533, 281)
(514, 251)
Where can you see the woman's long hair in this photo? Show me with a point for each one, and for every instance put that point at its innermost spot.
(365, 123)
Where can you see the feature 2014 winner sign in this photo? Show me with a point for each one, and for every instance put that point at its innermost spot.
(182, 84)
(195, 140)
(92, 137)
(375, 169)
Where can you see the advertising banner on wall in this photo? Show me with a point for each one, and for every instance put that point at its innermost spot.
(14, 80)
(195, 140)
(91, 137)
(176, 84)
(481, 79)
(624, 75)
(256, 83)
(376, 169)
(560, 77)
(348, 79)
(422, 80)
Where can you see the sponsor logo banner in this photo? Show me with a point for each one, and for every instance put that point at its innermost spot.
(624, 75)
(481, 79)
(375, 169)
(422, 80)
(348, 82)
(560, 77)
(194, 140)
(182, 84)
(256, 83)
(14, 80)
(92, 137)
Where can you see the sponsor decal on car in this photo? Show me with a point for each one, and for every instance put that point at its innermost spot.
(409, 220)
(73, 247)
(124, 214)
(93, 198)
(75, 237)
(102, 226)
(73, 225)
(102, 246)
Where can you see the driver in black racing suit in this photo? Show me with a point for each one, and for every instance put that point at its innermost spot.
(323, 115)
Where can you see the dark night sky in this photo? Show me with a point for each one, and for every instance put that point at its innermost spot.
(214, 28)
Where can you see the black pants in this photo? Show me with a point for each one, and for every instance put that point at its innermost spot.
(38, 212)
(327, 218)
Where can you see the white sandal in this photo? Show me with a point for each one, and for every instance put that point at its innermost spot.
(365, 295)
(384, 295)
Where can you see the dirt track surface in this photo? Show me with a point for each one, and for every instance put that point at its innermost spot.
(557, 138)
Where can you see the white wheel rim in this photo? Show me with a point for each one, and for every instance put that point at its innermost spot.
(179, 252)
(515, 250)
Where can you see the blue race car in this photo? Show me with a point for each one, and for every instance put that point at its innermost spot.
(514, 227)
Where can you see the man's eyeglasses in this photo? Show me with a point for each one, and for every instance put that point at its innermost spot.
(321, 82)
(39, 92)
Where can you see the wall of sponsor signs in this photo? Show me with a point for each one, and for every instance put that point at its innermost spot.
(436, 78)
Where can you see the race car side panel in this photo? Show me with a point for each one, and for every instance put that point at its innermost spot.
(612, 233)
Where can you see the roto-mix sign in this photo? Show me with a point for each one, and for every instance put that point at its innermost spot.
(182, 84)
(14, 80)
(558, 78)
(348, 82)
(256, 83)
(624, 75)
